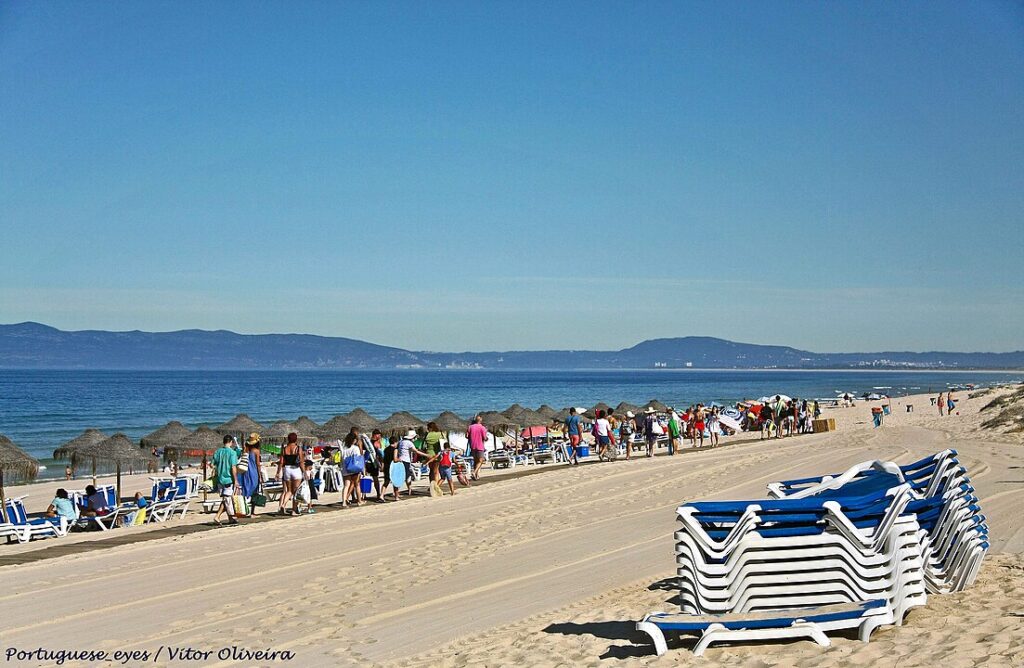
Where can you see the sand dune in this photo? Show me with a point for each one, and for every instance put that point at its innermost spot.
(550, 569)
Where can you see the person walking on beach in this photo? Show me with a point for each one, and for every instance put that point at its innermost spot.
(626, 430)
(713, 426)
(779, 414)
(950, 403)
(477, 435)
(444, 468)
(374, 460)
(403, 453)
(942, 403)
(698, 425)
(603, 434)
(250, 476)
(675, 428)
(353, 463)
(225, 471)
(433, 443)
(572, 430)
(291, 469)
(651, 427)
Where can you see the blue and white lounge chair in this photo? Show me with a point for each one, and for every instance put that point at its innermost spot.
(24, 529)
(807, 622)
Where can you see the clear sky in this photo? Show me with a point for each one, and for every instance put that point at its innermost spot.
(485, 175)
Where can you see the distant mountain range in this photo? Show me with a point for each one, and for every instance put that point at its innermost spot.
(30, 345)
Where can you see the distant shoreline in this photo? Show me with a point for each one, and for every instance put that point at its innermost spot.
(519, 370)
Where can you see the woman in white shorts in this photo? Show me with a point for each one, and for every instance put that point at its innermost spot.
(291, 468)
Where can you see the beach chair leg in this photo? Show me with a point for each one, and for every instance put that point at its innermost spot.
(657, 637)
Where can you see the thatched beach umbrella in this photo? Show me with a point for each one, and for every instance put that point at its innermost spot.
(169, 434)
(15, 463)
(530, 418)
(512, 410)
(118, 450)
(625, 406)
(494, 420)
(336, 428)
(279, 429)
(400, 421)
(548, 412)
(305, 425)
(200, 443)
(87, 438)
(656, 405)
(240, 424)
(599, 406)
(563, 414)
(360, 418)
(448, 421)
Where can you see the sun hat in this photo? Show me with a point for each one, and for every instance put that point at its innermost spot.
(650, 410)
(629, 414)
(411, 434)
(253, 439)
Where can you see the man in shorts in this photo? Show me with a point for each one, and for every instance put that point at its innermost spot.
(225, 471)
(572, 430)
(477, 435)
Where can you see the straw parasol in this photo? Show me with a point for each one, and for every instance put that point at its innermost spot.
(118, 450)
(360, 418)
(530, 418)
(599, 406)
(202, 442)
(279, 429)
(512, 410)
(87, 438)
(495, 420)
(169, 434)
(400, 421)
(625, 406)
(334, 429)
(656, 405)
(563, 414)
(305, 425)
(16, 463)
(448, 421)
(548, 412)
(240, 424)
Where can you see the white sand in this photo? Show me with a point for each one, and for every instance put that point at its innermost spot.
(546, 570)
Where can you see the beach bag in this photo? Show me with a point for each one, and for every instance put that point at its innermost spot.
(240, 504)
(303, 493)
(354, 464)
(243, 463)
(259, 499)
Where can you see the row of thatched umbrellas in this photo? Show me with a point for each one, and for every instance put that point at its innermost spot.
(93, 446)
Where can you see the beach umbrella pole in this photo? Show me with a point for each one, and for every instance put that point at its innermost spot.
(117, 488)
(3, 499)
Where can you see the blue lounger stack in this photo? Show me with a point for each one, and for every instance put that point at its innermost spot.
(954, 537)
(854, 550)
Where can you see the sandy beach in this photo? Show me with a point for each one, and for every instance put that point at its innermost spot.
(549, 569)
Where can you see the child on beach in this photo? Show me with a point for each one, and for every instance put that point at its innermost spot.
(444, 467)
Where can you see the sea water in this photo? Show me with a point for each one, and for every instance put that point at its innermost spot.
(40, 410)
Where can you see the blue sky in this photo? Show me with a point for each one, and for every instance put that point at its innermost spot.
(467, 176)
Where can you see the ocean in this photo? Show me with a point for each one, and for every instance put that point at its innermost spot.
(40, 410)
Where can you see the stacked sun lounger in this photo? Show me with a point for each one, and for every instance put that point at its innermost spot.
(954, 536)
(854, 550)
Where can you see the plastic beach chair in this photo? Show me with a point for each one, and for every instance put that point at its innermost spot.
(803, 622)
